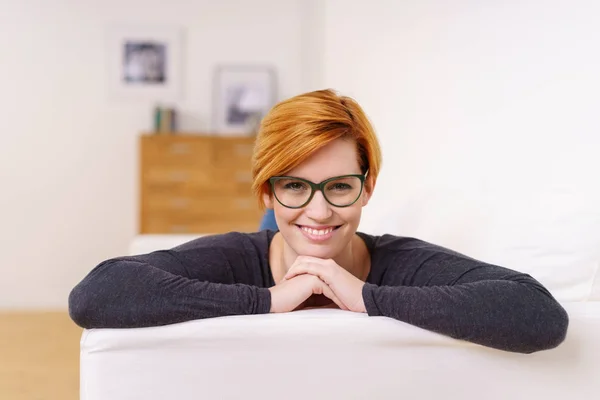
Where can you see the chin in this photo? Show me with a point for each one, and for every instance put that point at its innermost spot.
(324, 252)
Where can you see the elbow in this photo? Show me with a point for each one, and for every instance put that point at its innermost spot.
(80, 307)
(557, 325)
(549, 331)
(87, 298)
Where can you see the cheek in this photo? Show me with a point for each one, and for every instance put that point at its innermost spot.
(284, 216)
(352, 214)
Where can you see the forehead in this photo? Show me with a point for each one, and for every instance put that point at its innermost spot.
(339, 157)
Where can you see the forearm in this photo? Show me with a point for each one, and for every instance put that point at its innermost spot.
(132, 294)
(507, 315)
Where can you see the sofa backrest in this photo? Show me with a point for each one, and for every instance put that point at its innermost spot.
(551, 233)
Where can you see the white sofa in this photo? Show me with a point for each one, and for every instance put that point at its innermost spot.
(331, 354)
(551, 231)
(328, 354)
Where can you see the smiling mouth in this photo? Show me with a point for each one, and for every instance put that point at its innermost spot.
(318, 232)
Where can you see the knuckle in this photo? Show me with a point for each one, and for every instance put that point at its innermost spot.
(317, 287)
(318, 282)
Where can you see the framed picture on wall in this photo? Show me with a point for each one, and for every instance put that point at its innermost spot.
(144, 63)
(242, 95)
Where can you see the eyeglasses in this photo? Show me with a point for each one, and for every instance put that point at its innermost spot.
(339, 191)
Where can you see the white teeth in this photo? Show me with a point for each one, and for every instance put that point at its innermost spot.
(317, 232)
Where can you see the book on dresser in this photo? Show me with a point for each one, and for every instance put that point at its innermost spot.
(193, 183)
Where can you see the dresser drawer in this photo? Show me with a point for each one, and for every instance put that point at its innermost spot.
(194, 183)
(229, 207)
(166, 176)
(177, 151)
(234, 153)
(157, 224)
(234, 181)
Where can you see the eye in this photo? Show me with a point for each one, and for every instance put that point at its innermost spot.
(339, 186)
(295, 185)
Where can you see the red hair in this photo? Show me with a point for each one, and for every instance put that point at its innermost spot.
(297, 127)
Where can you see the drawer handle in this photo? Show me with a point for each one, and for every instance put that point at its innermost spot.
(178, 228)
(179, 176)
(243, 204)
(179, 148)
(243, 177)
(243, 150)
(180, 203)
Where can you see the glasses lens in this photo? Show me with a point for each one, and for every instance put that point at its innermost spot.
(340, 192)
(343, 191)
(291, 192)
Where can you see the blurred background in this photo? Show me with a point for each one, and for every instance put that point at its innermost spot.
(133, 117)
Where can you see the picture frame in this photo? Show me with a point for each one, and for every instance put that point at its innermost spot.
(242, 95)
(144, 63)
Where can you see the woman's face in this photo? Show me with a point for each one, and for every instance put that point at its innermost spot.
(320, 229)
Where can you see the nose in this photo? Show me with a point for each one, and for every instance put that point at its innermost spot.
(318, 209)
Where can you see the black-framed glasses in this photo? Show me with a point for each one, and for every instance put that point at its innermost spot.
(339, 191)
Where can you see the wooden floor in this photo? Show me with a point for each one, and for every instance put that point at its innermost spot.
(39, 356)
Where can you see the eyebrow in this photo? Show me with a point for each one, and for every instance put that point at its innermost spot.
(322, 180)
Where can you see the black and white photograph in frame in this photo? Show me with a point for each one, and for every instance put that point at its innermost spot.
(242, 96)
(144, 63)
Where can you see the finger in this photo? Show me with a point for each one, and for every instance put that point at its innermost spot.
(298, 261)
(292, 271)
(303, 268)
(310, 259)
(331, 295)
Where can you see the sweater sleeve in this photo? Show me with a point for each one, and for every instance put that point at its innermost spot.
(164, 287)
(466, 299)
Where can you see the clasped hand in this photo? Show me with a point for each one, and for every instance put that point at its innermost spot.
(310, 276)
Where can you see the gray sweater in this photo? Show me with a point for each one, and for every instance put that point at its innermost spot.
(410, 280)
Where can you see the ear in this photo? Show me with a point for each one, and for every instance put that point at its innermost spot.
(368, 189)
(268, 200)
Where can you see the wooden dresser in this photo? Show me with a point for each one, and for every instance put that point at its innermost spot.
(196, 184)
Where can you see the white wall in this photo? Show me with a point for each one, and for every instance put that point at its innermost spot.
(68, 154)
(488, 116)
(467, 97)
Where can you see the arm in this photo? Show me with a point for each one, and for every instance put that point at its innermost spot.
(463, 298)
(162, 288)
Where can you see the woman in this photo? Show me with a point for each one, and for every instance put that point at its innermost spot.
(316, 162)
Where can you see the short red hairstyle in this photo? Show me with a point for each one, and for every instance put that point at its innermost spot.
(297, 127)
